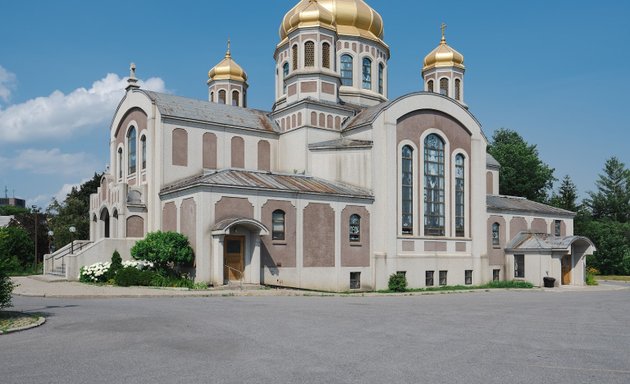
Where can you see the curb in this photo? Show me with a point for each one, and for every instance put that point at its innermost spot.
(40, 321)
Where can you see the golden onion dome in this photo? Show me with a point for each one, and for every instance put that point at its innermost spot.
(349, 18)
(443, 56)
(308, 13)
(227, 69)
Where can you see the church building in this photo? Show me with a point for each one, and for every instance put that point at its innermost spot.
(338, 186)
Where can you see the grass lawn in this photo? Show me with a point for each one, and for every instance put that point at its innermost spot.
(613, 278)
(10, 320)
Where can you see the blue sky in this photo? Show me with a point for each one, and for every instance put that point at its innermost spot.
(555, 71)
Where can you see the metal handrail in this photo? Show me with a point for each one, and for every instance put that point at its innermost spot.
(235, 270)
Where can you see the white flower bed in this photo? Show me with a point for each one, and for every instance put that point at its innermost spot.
(95, 272)
(138, 264)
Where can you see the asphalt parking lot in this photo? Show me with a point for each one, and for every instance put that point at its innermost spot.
(481, 337)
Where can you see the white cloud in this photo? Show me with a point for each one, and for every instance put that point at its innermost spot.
(7, 83)
(58, 115)
(54, 162)
(44, 200)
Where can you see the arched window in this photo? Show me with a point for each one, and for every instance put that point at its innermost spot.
(278, 225)
(444, 86)
(212, 97)
(430, 86)
(407, 190)
(355, 228)
(222, 96)
(131, 147)
(459, 196)
(120, 163)
(458, 89)
(143, 146)
(367, 73)
(235, 98)
(381, 69)
(294, 51)
(496, 240)
(434, 186)
(285, 74)
(346, 70)
(326, 55)
(309, 54)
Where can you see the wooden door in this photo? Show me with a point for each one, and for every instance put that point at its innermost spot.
(233, 258)
(566, 269)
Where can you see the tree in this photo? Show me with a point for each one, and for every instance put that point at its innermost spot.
(164, 249)
(612, 198)
(612, 240)
(522, 172)
(16, 248)
(31, 221)
(566, 198)
(74, 211)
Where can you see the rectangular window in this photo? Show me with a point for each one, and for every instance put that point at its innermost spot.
(519, 266)
(468, 277)
(429, 279)
(496, 274)
(443, 280)
(557, 227)
(355, 280)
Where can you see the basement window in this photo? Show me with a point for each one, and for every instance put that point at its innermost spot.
(355, 280)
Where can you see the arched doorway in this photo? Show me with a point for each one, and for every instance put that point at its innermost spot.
(236, 251)
(105, 223)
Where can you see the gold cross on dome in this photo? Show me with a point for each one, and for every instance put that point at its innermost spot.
(443, 27)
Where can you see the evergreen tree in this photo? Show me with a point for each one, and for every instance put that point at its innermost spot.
(522, 172)
(612, 198)
(566, 198)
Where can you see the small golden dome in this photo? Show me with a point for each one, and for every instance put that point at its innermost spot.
(443, 56)
(349, 18)
(227, 69)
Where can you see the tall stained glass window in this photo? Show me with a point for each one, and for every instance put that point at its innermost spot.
(346, 70)
(407, 190)
(367, 73)
(131, 152)
(381, 69)
(459, 196)
(434, 186)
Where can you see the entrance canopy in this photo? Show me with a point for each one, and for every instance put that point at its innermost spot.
(538, 242)
(223, 227)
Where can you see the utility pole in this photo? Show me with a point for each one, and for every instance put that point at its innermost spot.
(36, 220)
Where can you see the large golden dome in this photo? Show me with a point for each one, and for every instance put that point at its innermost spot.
(443, 56)
(227, 69)
(349, 18)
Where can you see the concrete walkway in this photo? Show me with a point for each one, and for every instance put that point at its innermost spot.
(45, 286)
(49, 286)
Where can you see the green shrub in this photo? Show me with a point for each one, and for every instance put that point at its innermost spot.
(6, 288)
(397, 282)
(164, 249)
(114, 266)
(509, 284)
(129, 276)
(172, 281)
(590, 279)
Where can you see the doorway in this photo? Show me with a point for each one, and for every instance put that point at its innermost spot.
(234, 258)
(566, 269)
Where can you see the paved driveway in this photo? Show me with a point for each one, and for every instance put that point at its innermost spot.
(483, 337)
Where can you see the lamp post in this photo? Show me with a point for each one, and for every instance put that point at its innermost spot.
(72, 230)
(50, 236)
